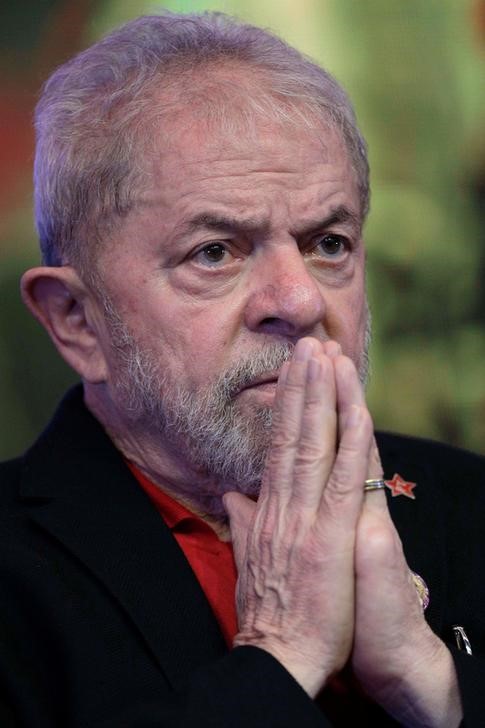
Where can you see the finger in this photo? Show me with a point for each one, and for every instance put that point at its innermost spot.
(375, 500)
(240, 510)
(316, 451)
(287, 415)
(346, 483)
(349, 388)
(350, 393)
(375, 465)
(332, 348)
(343, 495)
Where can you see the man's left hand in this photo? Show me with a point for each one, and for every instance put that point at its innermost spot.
(397, 659)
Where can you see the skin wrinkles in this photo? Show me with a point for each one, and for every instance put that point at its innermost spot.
(212, 221)
(215, 226)
(221, 164)
(235, 275)
(190, 323)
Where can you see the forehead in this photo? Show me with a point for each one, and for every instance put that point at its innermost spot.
(191, 157)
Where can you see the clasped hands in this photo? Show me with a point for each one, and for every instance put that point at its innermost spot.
(322, 579)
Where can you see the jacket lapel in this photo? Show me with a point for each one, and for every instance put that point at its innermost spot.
(80, 491)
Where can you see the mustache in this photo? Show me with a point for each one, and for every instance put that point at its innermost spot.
(252, 367)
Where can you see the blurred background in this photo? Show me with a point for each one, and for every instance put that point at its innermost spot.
(414, 69)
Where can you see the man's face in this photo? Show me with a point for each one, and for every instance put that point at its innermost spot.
(239, 248)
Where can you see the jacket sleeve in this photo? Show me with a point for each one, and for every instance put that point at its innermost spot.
(52, 675)
(248, 687)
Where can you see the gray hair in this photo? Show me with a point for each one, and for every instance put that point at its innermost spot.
(92, 120)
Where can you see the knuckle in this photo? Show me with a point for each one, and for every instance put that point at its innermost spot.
(339, 488)
(313, 401)
(265, 537)
(350, 470)
(349, 453)
(378, 537)
(295, 385)
(293, 389)
(310, 460)
(310, 451)
(283, 439)
(367, 427)
(380, 543)
(353, 455)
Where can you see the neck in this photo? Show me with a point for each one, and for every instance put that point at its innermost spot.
(162, 463)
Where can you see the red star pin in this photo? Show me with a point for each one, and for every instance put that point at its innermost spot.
(399, 486)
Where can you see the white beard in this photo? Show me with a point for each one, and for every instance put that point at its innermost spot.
(217, 437)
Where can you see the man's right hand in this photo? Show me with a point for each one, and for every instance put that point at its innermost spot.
(294, 549)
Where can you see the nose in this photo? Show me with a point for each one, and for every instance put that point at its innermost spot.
(285, 298)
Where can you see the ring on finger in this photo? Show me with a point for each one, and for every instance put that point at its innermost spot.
(374, 484)
(421, 588)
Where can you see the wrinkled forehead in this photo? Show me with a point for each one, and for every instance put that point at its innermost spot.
(265, 145)
(226, 110)
(194, 156)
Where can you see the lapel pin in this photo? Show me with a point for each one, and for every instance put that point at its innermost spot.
(398, 486)
(461, 639)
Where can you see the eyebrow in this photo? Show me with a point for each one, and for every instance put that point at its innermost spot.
(338, 215)
(222, 222)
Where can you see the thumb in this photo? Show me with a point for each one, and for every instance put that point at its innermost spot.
(240, 510)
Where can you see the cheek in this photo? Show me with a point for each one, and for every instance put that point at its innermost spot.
(195, 348)
(358, 325)
(346, 321)
(206, 331)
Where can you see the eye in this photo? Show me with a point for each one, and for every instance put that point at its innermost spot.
(331, 245)
(212, 254)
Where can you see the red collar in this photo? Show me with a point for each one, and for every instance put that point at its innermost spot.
(211, 559)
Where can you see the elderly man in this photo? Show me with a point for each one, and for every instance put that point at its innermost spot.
(200, 194)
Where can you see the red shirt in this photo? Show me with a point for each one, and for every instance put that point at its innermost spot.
(211, 559)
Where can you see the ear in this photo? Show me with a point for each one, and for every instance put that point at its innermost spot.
(65, 307)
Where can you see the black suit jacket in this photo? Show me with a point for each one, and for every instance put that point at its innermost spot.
(102, 622)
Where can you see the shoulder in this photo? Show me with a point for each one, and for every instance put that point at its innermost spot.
(71, 442)
(429, 451)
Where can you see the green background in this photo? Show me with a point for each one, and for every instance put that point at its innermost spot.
(414, 70)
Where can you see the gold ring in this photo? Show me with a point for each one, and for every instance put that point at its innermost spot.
(421, 588)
